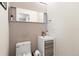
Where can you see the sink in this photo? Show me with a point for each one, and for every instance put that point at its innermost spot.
(45, 38)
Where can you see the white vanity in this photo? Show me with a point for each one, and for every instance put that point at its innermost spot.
(46, 45)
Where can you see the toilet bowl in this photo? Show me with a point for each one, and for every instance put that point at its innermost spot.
(23, 49)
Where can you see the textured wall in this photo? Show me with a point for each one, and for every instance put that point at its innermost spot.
(24, 31)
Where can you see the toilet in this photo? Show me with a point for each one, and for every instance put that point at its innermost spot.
(23, 49)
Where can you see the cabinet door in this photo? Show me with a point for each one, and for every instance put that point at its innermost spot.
(49, 48)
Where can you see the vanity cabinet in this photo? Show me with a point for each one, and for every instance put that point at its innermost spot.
(46, 46)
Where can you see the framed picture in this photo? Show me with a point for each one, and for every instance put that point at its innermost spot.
(4, 5)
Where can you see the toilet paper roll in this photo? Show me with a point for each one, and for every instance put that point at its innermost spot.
(37, 53)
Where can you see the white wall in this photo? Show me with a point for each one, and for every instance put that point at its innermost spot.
(4, 34)
(65, 26)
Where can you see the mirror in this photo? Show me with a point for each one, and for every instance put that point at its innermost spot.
(27, 15)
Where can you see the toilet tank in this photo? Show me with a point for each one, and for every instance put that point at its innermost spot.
(23, 48)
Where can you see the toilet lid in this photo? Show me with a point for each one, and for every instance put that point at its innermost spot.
(23, 47)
